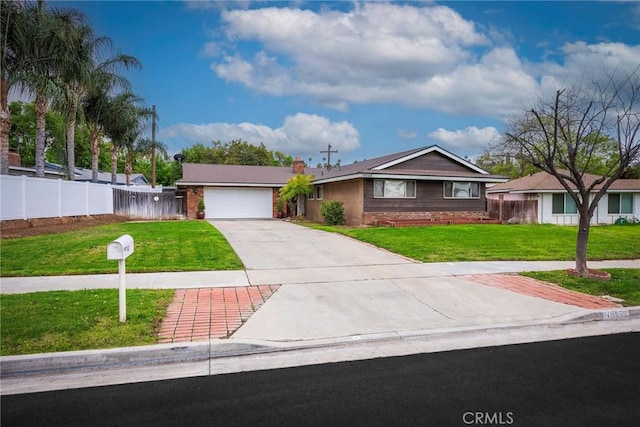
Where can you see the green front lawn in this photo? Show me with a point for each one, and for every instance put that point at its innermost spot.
(491, 242)
(624, 283)
(159, 246)
(44, 322)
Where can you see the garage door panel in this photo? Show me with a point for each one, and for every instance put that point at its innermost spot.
(231, 202)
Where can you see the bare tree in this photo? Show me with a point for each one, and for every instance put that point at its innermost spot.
(564, 136)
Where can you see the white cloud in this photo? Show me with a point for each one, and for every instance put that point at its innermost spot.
(377, 52)
(589, 62)
(426, 56)
(471, 140)
(300, 134)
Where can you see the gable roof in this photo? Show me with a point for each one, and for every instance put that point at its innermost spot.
(545, 182)
(241, 175)
(380, 167)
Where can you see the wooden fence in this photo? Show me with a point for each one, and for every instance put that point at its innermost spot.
(513, 211)
(167, 204)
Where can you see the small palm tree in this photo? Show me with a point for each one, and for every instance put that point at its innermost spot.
(126, 118)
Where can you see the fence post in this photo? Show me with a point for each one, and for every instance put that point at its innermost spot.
(501, 202)
(24, 197)
(59, 189)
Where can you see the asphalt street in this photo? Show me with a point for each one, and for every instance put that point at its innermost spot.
(583, 381)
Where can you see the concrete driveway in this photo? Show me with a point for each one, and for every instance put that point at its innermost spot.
(334, 286)
(271, 244)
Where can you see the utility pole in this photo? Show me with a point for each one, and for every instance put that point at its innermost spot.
(329, 156)
(153, 147)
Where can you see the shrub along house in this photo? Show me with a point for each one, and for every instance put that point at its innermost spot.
(555, 206)
(427, 184)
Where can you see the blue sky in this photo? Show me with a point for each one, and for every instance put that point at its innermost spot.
(371, 78)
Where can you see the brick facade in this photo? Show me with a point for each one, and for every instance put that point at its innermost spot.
(193, 195)
(380, 218)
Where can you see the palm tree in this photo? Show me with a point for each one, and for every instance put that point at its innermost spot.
(12, 26)
(126, 118)
(36, 43)
(78, 79)
(97, 111)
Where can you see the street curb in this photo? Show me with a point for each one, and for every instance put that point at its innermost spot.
(162, 354)
(107, 358)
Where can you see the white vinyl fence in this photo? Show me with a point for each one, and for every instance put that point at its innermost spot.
(23, 197)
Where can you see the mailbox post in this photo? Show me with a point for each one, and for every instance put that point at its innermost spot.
(120, 249)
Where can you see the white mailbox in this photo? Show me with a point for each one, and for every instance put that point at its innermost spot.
(120, 248)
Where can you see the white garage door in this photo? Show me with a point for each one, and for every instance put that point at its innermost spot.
(232, 202)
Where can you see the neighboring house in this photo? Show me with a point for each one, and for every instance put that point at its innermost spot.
(555, 206)
(56, 171)
(425, 184)
(83, 174)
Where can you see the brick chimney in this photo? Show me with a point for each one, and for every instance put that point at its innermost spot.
(298, 165)
(14, 158)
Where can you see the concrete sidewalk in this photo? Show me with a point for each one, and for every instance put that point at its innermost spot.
(283, 276)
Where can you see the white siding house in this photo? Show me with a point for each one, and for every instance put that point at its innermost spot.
(555, 206)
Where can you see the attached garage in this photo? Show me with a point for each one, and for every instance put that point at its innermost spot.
(238, 202)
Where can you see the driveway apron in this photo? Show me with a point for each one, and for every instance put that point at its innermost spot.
(334, 286)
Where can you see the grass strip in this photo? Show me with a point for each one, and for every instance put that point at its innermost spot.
(624, 283)
(495, 242)
(55, 321)
(159, 246)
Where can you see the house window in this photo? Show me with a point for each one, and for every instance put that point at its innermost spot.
(620, 203)
(312, 195)
(319, 192)
(563, 204)
(396, 189)
(461, 190)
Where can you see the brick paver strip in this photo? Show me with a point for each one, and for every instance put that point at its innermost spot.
(205, 313)
(537, 288)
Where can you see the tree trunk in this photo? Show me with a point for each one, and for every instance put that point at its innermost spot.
(41, 113)
(71, 143)
(128, 167)
(114, 164)
(95, 151)
(5, 127)
(581, 246)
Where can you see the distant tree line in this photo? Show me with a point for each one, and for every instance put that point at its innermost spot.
(237, 152)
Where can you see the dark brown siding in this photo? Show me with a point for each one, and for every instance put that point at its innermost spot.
(431, 161)
(429, 198)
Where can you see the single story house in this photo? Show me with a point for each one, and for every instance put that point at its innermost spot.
(84, 174)
(555, 206)
(57, 171)
(428, 183)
